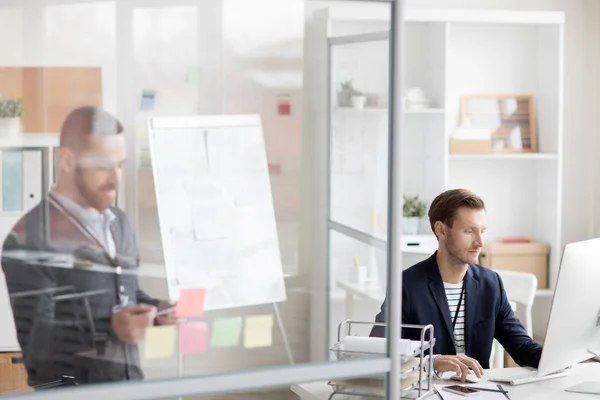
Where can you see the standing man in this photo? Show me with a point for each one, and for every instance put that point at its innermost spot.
(465, 302)
(74, 290)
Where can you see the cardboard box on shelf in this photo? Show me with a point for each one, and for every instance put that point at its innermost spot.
(470, 146)
(521, 257)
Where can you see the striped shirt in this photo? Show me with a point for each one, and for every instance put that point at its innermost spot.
(453, 291)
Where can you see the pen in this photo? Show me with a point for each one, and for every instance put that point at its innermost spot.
(166, 311)
(488, 389)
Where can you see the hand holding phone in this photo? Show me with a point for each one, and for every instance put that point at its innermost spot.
(166, 313)
(461, 390)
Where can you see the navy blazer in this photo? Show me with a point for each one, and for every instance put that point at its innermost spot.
(488, 314)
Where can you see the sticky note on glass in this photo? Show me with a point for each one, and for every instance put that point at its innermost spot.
(190, 303)
(284, 106)
(160, 342)
(226, 332)
(148, 100)
(258, 331)
(275, 169)
(193, 338)
(194, 75)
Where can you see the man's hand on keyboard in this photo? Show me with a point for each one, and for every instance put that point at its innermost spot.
(460, 364)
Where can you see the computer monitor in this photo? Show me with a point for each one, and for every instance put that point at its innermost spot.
(573, 333)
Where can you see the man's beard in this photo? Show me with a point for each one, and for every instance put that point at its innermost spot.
(90, 196)
(454, 252)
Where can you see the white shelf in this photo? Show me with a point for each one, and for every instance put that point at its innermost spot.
(361, 12)
(384, 111)
(425, 111)
(507, 156)
(30, 140)
(366, 110)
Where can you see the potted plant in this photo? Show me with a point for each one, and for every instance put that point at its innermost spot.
(11, 110)
(345, 94)
(412, 211)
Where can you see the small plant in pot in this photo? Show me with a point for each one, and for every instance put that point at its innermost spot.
(346, 93)
(11, 110)
(412, 211)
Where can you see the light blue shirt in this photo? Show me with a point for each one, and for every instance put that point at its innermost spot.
(97, 224)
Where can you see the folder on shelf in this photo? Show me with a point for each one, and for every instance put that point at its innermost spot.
(12, 181)
(32, 178)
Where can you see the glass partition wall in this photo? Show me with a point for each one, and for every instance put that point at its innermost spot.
(323, 78)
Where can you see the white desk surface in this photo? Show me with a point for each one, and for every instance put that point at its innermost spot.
(544, 390)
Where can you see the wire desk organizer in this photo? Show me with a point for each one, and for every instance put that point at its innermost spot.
(416, 369)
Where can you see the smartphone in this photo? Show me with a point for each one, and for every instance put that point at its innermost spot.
(165, 311)
(461, 390)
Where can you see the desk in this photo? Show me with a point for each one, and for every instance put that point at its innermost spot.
(544, 390)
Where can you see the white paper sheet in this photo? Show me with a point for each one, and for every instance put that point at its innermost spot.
(213, 213)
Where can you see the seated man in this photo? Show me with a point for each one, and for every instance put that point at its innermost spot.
(465, 302)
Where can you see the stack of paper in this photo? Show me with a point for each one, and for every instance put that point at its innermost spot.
(376, 345)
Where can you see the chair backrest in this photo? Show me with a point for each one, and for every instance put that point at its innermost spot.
(520, 286)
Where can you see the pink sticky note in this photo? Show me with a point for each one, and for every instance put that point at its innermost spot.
(193, 338)
(191, 303)
(275, 169)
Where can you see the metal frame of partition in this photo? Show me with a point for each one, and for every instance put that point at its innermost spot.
(279, 376)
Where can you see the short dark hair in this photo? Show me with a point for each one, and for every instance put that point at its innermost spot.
(445, 206)
(85, 121)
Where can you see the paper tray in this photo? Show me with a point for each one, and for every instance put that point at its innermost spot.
(340, 353)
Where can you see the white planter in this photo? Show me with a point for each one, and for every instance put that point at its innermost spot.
(10, 127)
(411, 225)
(358, 102)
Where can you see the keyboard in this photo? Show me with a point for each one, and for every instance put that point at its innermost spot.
(527, 377)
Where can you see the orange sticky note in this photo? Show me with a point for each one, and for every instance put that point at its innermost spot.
(193, 338)
(191, 303)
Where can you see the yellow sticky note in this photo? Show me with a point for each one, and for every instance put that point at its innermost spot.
(160, 342)
(258, 331)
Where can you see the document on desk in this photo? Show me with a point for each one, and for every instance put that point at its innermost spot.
(483, 395)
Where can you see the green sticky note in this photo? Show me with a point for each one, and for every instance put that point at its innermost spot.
(194, 76)
(226, 332)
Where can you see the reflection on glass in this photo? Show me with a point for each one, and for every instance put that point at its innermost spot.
(70, 266)
(167, 81)
(358, 276)
(359, 134)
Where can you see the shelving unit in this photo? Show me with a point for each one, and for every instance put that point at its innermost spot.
(448, 53)
(504, 157)
(43, 142)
